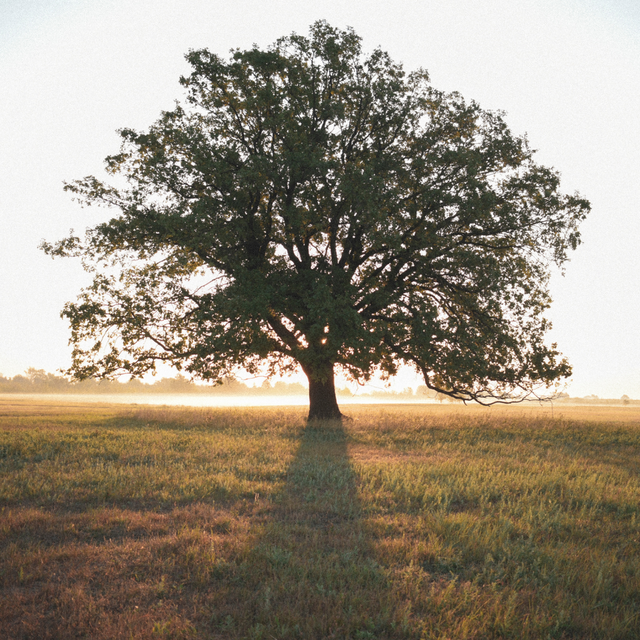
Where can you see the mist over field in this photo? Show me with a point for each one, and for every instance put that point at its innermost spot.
(232, 393)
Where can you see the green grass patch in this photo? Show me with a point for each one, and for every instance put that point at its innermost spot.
(410, 522)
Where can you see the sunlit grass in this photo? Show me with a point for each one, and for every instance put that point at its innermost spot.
(412, 522)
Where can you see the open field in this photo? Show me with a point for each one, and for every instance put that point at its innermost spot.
(407, 522)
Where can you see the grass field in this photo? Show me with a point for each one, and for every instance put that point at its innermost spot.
(412, 522)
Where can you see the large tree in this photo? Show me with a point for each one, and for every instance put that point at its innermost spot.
(309, 205)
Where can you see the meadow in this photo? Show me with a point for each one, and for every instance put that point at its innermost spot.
(416, 522)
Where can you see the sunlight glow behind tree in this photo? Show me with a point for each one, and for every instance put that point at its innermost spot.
(309, 205)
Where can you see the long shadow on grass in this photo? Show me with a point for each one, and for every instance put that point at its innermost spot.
(311, 573)
(299, 566)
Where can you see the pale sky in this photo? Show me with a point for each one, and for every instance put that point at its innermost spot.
(567, 72)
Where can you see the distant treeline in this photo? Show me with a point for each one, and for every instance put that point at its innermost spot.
(39, 381)
(624, 400)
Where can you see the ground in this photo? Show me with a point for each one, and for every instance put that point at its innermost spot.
(405, 522)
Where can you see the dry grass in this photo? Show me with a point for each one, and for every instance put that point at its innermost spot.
(413, 522)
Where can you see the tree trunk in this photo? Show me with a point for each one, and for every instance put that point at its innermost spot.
(323, 404)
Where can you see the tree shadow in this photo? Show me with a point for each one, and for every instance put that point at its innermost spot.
(295, 564)
(311, 572)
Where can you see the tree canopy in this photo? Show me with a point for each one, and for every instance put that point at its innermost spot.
(312, 205)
